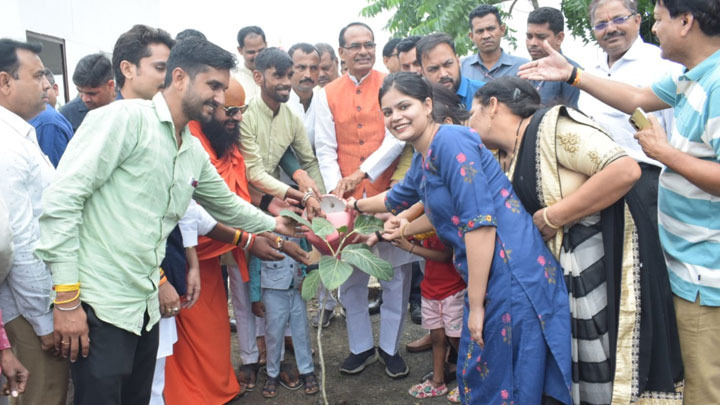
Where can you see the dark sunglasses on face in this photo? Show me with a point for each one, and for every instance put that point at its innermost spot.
(233, 109)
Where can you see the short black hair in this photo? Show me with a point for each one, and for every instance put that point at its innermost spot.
(519, 95)
(407, 44)
(189, 33)
(245, 31)
(195, 55)
(341, 39)
(390, 47)
(447, 104)
(49, 76)
(550, 16)
(324, 48)
(303, 46)
(273, 58)
(8, 54)
(93, 70)
(429, 42)
(705, 12)
(133, 45)
(410, 84)
(483, 10)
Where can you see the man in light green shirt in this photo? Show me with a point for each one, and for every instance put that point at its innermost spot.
(270, 127)
(130, 172)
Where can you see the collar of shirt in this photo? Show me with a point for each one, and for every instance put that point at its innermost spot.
(636, 52)
(163, 112)
(260, 105)
(355, 80)
(14, 121)
(708, 65)
(505, 59)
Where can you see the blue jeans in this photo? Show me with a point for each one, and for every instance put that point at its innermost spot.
(282, 306)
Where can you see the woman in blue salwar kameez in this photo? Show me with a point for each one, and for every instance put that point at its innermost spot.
(515, 344)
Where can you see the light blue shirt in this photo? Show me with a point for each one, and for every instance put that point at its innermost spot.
(473, 68)
(688, 217)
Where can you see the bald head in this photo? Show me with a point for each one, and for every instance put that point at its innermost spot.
(235, 94)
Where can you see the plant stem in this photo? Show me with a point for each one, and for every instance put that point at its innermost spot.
(321, 311)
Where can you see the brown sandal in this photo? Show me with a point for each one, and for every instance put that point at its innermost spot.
(247, 375)
(289, 377)
(270, 388)
(311, 383)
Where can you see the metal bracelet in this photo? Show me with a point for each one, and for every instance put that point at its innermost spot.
(69, 309)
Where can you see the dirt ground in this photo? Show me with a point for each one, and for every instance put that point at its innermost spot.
(372, 386)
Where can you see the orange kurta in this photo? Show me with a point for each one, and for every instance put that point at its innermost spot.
(200, 371)
(359, 127)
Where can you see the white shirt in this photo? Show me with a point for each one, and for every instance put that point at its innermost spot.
(326, 145)
(245, 77)
(196, 221)
(641, 66)
(307, 117)
(6, 245)
(25, 172)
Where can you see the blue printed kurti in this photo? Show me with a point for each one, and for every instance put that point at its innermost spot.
(527, 318)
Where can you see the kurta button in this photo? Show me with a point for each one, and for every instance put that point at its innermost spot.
(358, 108)
(359, 126)
(361, 142)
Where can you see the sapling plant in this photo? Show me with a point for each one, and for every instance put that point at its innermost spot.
(340, 254)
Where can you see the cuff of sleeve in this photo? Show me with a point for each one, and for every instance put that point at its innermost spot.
(190, 239)
(64, 272)
(395, 209)
(478, 222)
(42, 324)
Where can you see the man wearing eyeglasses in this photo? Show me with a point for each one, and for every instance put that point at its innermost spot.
(628, 59)
(357, 157)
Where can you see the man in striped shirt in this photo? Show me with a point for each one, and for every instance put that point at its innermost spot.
(689, 192)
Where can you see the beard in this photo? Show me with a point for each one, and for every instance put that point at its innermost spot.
(221, 139)
(192, 106)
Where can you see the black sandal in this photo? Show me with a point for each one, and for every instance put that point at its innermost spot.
(310, 381)
(270, 388)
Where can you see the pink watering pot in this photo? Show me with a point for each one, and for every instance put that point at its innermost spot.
(334, 209)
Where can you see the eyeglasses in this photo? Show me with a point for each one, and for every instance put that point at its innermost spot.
(233, 109)
(355, 46)
(615, 21)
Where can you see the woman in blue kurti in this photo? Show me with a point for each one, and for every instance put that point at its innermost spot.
(515, 345)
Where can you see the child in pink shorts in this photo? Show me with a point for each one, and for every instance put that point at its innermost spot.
(443, 293)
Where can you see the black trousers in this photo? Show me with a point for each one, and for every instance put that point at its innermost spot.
(119, 368)
(417, 278)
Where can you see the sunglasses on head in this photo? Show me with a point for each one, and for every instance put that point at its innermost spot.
(231, 110)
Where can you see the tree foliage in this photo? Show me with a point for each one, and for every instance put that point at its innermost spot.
(420, 17)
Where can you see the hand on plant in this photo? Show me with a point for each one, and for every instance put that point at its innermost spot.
(305, 182)
(277, 205)
(384, 216)
(288, 227)
(371, 240)
(258, 309)
(264, 249)
(393, 227)
(403, 244)
(294, 250)
(313, 209)
(348, 184)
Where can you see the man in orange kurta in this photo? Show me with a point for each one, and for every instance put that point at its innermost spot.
(357, 158)
(200, 370)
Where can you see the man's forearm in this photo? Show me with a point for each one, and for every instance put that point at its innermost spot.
(704, 174)
(621, 96)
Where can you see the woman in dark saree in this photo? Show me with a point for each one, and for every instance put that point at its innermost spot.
(580, 188)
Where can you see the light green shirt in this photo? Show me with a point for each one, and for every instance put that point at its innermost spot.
(263, 141)
(120, 189)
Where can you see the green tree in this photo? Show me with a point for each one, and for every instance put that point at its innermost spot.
(420, 17)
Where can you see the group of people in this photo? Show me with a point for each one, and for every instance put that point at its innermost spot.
(559, 254)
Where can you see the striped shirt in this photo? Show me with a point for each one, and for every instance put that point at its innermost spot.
(689, 218)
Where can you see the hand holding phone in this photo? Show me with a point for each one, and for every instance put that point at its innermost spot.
(639, 120)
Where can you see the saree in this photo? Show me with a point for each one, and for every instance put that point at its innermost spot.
(625, 345)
